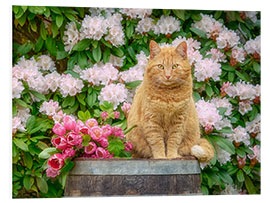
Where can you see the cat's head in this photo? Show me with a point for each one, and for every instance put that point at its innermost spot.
(168, 66)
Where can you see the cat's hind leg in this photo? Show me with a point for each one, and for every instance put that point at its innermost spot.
(203, 150)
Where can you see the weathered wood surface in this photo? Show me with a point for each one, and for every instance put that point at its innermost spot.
(110, 177)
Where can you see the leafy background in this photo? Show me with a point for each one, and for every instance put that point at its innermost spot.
(32, 38)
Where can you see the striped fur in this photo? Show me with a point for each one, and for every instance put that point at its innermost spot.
(164, 111)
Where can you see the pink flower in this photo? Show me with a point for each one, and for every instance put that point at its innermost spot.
(56, 161)
(52, 173)
(73, 139)
(104, 115)
(102, 153)
(104, 142)
(85, 130)
(91, 148)
(58, 129)
(91, 123)
(60, 142)
(69, 123)
(58, 117)
(116, 114)
(208, 128)
(96, 133)
(78, 126)
(68, 152)
(256, 151)
(128, 146)
(107, 130)
(118, 132)
(126, 107)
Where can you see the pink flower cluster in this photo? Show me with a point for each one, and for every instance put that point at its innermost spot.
(69, 137)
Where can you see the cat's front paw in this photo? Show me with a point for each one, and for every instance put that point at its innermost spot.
(174, 156)
(159, 157)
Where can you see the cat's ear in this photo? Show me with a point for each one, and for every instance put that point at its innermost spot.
(181, 49)
(154, 49)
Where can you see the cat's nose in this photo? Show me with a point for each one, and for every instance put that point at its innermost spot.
(168, 76)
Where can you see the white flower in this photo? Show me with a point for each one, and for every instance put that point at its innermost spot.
(70, 86)
(97, 11)
(209, 25)
(239, 54)
(230, 190)
(53, 80)
(207, 68)
(71, 36)
(38, 83)
(224, 103)
(49, 108)
(240, 135)
(17, 72)
(167, 25)
(23, 114)
(254, 126)
(253, 46)
(257, 153)
(245, 106)
(136, 12)
(116, 35)
(109, 74)
(116, 61)
(113, 93)
(93, 27)
(17, 125)
(207, 113)
(17, 88)
(222, 156)
(217, 55)
(227, 38)
(45, 62)
(145, 25)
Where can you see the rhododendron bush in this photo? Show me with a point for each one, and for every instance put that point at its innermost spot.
(76, 70)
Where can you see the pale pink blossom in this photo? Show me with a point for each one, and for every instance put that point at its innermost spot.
(59, 129)
(91, 123)
(52, 173)
(104, 115)
(126, 107)
(107, 130)
(96, 133)
(116, 114)
(73, 139)
(68, 152)
(257, 153)
(101, 153)
(104, 142)
(69, 123)
(245, 106)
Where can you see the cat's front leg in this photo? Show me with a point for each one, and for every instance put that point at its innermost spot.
(154, 135)
(175, 136)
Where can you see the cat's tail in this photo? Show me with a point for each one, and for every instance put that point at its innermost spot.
(203, 150)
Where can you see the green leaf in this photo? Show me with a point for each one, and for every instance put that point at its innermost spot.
(14, 109)
(115, 146)
(37, 9)
(133, 84)
(39, 44)
(222, 110)
(166, 12)
(19, 143)
(249, 185)
(205, 190)
(38, 95)
(50, 44)
(67, 167)
(199, 32)
(246, 169)
(61, 55)
(225, 177)
(80, 98)
(43, 31)
(42, 185)
(70, 16)
(47, 153)
(106, 55)
(240, 175)
(33, 25)
(129, 30)
(241, 76)
(55, 10)
(82, 45)
(196, 96)
(72, 109)
(59, 20)
(240, 152)
(209, 90)
(180, 14)
(27, 159)
(227, 67)
(91, 99)
(68, 101)
(231, 76)
(217, 14)
(82, 59)
(86, 140)
(196, 17)
(106, 43)
(118, 52)
(131, 53)
(129, 129)
(28, 182)
(224, 144)
(54, 29)
(25, 48)
(23, 104)
(74, 74)
(97, 54)
(256, 67)
(22, 20)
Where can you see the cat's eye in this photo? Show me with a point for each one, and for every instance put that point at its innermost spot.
(175, 66)
(160, 66)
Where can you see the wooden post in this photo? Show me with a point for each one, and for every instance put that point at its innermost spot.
(108, 177)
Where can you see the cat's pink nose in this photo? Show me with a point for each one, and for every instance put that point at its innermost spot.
(168, 76)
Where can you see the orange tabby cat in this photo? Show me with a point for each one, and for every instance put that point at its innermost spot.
(163, 109)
